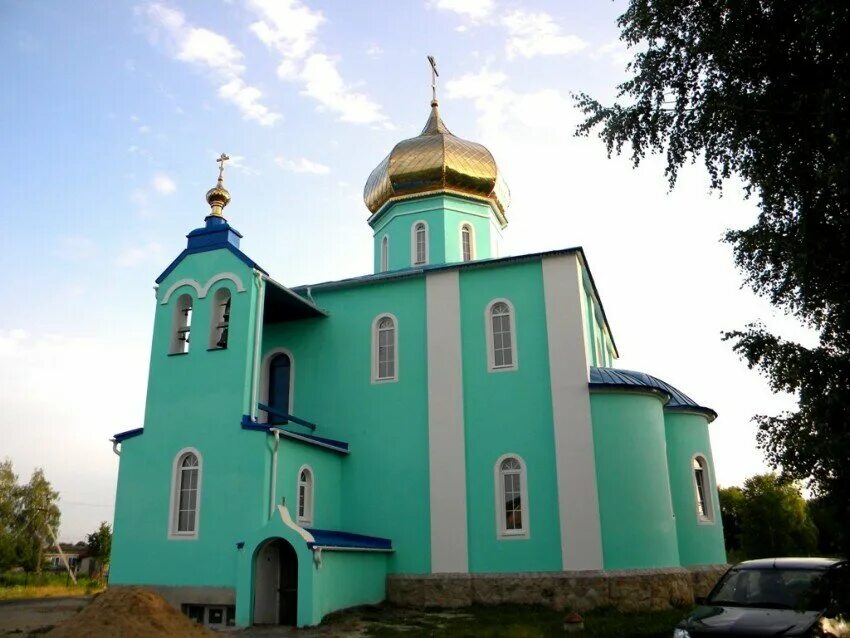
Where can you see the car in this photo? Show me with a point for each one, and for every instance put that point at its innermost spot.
(771, 597)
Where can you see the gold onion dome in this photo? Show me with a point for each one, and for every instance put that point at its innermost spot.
(437, 162)
(218, 196)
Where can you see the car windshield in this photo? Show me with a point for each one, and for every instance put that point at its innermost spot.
(771, 588)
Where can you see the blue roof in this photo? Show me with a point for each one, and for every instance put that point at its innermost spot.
(341, 447)
(347, 540)
(129, 434)
(630, 379)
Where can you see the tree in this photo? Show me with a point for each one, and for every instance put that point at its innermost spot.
(38, 514)
(762, 90)
(99, 544)
(9, 514)
(731, 506)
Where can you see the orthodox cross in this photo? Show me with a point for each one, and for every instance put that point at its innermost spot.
(221, 160)
(434, 76)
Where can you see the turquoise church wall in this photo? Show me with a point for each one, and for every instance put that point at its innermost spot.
(635, 507)
(346, 579)
(699, 542)
(508, 411)
(327, 481)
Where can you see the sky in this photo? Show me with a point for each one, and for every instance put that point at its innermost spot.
(112, 114)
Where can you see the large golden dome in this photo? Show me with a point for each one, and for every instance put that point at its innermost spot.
(437, 161)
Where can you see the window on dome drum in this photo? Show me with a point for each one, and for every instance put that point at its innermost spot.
(181, 325)
(186, 495)
(466, 242)
(512, 505)
(420, 244)
(701, 487)
(220, 319)
(500, 342)
(385, 347)
(385, 254)
(305, 496)
(280, 385)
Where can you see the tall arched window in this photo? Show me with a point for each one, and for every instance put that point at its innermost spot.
(511, 497)
(384, 349)
(467, 243)
(186, 494)
(419, 247)
(305, 495)
(220, 319)
(280, 385)
(702, 487)
(501, 329)
(385, 253)
(181, 325)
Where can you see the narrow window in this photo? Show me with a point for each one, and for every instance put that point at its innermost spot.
(385, 363)
(220, 319)
(305, 496)
(512, 506)
(420, 244)
(186, 494)
(182, 323)
(700, 468)
(280, 386)
(466, 241)
(500, 343)
(385, 253)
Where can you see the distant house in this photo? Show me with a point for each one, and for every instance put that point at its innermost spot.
(75, 553)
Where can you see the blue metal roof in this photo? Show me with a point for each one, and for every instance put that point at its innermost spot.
(346, 540)
(340, 447)
(129, 434)
(630, 379)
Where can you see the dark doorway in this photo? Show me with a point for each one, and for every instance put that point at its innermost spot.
(280, 375)
(276, 584)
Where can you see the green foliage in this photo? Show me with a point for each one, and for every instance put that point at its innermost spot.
(99, 545)
(761, 90)
(9, 506)
(731, 505)
(831, 528)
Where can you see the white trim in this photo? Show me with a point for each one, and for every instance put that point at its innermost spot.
(375, 378)
(709, 518)
(413, 261)
(309, 512)
(183, 282)
(488, 327)
(287, 520)
(446, 438)
(502, 533)
(174, 500)
(176, 345)
(472, 246)
(384, 254)
(203, 290)
(572, 429)
(263, 417)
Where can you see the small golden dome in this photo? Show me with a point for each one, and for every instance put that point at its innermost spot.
(218, 196)
(437, 161)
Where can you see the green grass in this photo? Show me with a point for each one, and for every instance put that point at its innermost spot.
(15, 585)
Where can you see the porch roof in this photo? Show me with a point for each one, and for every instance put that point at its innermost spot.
(334, 539)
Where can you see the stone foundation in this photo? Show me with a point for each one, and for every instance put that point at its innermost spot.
(628, 590)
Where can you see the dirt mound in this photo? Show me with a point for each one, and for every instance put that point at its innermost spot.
(129, 612)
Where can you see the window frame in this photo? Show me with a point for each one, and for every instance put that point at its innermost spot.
(308, 518)
(385, 253)
(502, 533)
(491, 349)
(265, 377)
(467, 225)
(376, 344)
(414, 243)
(178, 324)
(217, 320)
(174, 504)
(708, 518)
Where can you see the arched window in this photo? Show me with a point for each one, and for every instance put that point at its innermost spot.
(384, 349)
(305, 495)
(280, 385)
(220, 319)
(186, 494)
(467, 242)
(181, 325)
(385, 253)
(702, 486)
(419, 248)
(500, 336)
(511, 497)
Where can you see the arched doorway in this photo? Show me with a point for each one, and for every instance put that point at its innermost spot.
(276, 584)
(280, 380)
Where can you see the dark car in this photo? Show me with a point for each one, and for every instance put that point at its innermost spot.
(770, 597)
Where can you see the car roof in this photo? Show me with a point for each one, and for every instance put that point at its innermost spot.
(790, 563)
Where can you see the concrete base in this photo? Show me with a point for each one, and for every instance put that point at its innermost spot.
(191, 595)
(628, 590)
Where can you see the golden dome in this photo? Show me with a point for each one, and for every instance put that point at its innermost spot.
(437, 161)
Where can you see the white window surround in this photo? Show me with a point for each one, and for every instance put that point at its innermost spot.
(309, 493)
(708, 517)
(375, 322)
(488, 327)
(502, 533)
(460, 230)
(218, 323)
(263, 417)
(181, 324)
(385, 253)
(174, 501)
(414, 243)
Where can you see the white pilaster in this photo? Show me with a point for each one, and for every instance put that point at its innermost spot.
(578, 504)
(446, 448)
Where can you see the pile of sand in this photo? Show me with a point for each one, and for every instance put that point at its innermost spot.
(129, 612)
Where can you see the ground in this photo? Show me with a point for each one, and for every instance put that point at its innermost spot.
(31, 617)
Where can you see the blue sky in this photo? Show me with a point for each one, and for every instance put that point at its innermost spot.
(114, 112)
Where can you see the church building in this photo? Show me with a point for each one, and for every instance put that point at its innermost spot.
(455, 417)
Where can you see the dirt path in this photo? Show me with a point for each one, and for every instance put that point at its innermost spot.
(20, 618)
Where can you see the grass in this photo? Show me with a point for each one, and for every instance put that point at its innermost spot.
(15, 585)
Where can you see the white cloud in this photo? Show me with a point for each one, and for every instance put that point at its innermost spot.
(217, 56)
(302, 165)
(163, 184)
(136, 255)
(535, 33)
(323, 82)
(472, 9)
(237, 162)
(287, 25)
(616, 51)
(374, 51)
